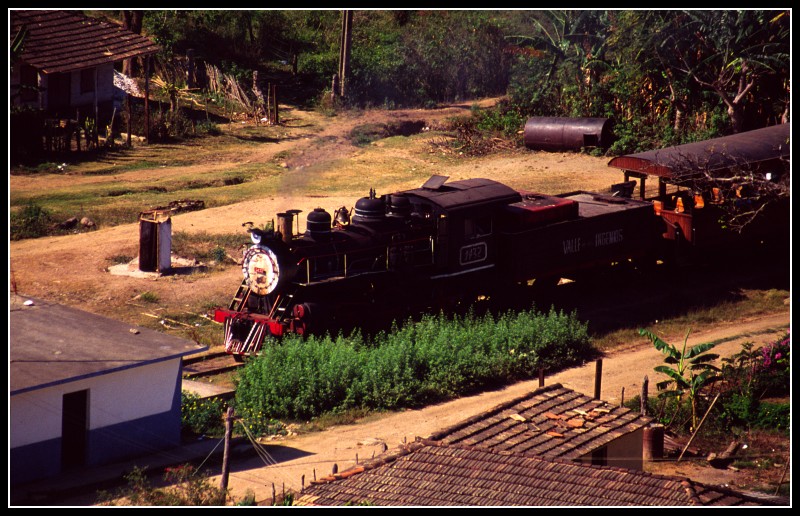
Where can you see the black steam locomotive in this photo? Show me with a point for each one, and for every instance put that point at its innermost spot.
(431, 246)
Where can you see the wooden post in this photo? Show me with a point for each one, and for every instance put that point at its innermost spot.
(598, 376)
(147, 99)
(643, 401)
(223, 483)
(622, 398)
(541, 377)
(190, 83)
(275, 103)
(130, 115)
(273, 493)
(694, 434)
(96, 113)
(302, 483)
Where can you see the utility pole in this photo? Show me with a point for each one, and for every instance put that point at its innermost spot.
(223, 483)
(344, 50)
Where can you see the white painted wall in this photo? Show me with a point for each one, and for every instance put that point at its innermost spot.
(105, 86)
(113, 398)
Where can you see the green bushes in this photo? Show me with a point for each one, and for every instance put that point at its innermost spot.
(201, 416)
(30, 221)
(433, 359)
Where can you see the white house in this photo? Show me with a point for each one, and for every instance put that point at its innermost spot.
(65, 62)
(85, 390)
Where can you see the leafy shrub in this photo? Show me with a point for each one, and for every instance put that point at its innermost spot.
(201, 416)
(30, 221)
(186, 488)
(432, 359)
(209, 128)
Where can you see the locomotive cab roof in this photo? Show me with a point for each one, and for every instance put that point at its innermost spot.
(465, 193)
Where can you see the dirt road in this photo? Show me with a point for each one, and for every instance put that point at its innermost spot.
(301, 458)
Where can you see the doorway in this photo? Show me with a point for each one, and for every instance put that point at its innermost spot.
(74, 429)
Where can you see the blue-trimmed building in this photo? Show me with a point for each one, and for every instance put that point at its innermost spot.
(85, 390)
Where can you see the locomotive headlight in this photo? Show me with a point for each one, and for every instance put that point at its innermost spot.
(256, 238)
(261, 270)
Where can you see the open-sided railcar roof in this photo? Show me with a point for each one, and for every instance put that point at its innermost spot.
(749, 148)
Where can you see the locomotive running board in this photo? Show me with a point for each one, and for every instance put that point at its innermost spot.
(459, 273)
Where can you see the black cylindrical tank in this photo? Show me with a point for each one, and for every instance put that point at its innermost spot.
(370, 209)
(399, 206)
(563, 133)
(318, 222)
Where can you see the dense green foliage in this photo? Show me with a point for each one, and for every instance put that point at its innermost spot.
(202, 416)
(30, 221)
(750, 394)
(662, 76)
(413, 364)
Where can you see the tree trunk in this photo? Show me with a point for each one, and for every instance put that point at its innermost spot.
(132, 21)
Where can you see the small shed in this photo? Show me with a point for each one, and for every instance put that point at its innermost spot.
(85, 390)
(567, 134)
(557, 422)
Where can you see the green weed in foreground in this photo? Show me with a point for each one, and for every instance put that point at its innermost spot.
(434, 359)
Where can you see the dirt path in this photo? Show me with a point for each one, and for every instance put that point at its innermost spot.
(316, 453)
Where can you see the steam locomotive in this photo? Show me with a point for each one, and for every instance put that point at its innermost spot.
(431, 246)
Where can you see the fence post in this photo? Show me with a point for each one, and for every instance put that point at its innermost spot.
(643, 400)
(598, 375)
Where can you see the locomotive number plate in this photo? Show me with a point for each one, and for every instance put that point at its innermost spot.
(472, 253)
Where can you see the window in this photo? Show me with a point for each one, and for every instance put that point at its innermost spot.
(29, 83)
(477, 227)
(87, 80)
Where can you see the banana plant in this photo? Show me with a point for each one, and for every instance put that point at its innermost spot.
(688, 370)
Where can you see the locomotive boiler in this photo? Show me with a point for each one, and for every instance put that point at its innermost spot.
(432, 246)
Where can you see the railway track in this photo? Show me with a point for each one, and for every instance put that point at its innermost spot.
(209, 365)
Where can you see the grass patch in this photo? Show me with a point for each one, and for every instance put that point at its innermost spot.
(119, 259)
(148, 297)
(204, 246)
(754, 303)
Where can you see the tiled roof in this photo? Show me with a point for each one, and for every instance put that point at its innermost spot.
(425, 473)
(63, 41)
(551, 421)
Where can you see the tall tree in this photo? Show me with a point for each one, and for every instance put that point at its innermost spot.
(729, 52)
(131, 20)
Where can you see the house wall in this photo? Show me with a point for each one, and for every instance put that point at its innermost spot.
(624, 452)
(77, 99)
(105, 87)
(131, 413)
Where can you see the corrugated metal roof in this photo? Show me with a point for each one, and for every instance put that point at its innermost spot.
(433, 474)
(747, 148)
(552, 421)
(64, 41)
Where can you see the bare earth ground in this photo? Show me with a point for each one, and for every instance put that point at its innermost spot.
(73, 270)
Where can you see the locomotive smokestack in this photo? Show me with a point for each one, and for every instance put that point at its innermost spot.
(285, 226)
